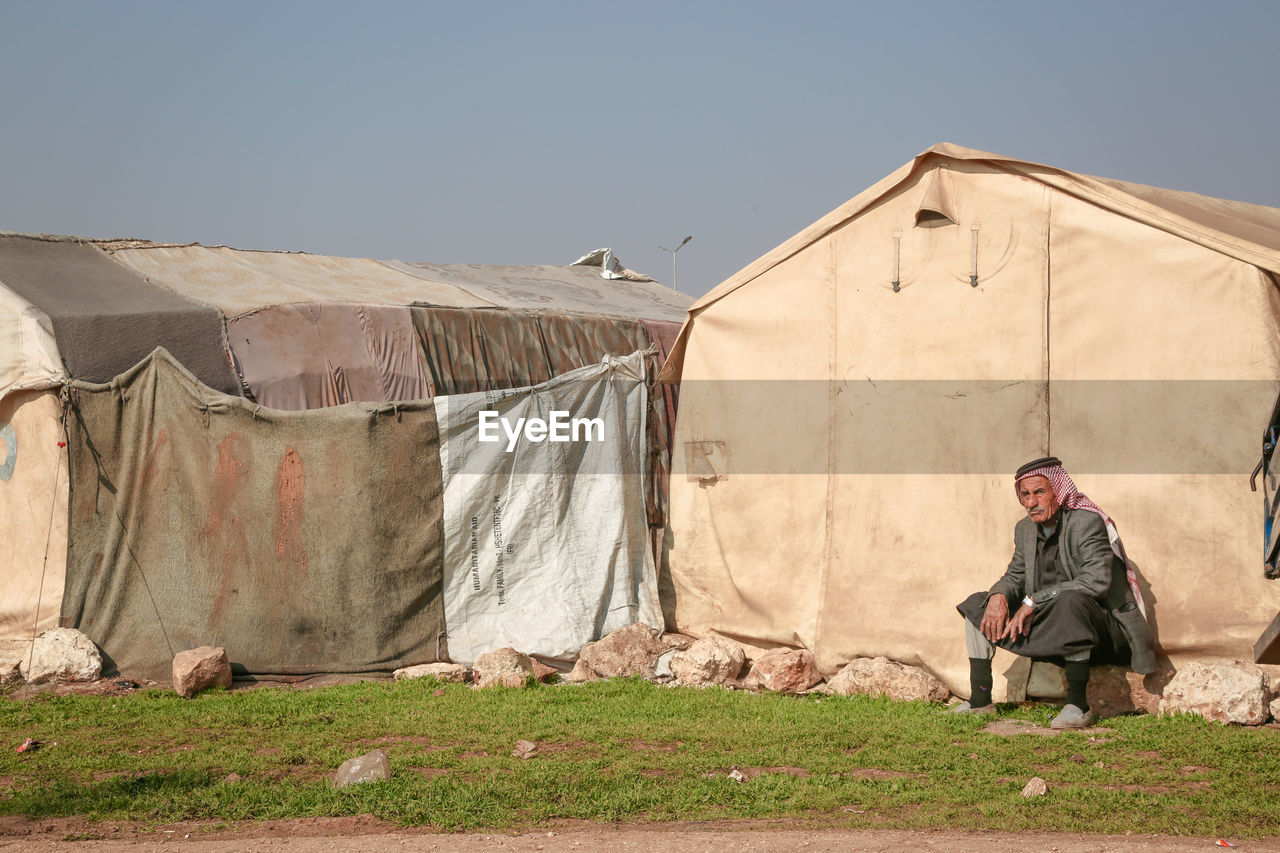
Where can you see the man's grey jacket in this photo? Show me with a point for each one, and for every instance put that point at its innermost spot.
(1091, 567)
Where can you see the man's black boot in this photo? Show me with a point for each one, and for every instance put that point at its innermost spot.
(979, 689)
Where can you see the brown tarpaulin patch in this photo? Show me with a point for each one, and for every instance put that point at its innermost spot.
(291, 511)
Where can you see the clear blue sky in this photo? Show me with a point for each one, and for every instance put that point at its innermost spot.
(531, 132)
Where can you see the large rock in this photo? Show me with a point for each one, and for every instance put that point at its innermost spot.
(784, 670)
(441, 671)
(630, 650)
(1118, 690)
(61, 654)
(370, 767)
(505, 667)
(199, 669)
(1226, 691)
(713, 660)
(883, 677)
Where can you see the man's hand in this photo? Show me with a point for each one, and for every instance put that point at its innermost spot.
(995, 617)
(1020, 623)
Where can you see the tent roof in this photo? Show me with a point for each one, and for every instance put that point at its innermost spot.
(1247, 232)
(578, 289)
(240, 281)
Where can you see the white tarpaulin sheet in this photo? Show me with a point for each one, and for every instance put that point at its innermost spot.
(546, 542)
(29, 357)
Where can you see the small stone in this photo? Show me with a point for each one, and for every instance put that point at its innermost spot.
(199, 669)
(784, 670)
(439, 691)
(454, 672)
(1037, 787)
(525, 749)
(231, 778)
(61, 654)
(504, 667)
(370, 767)
(542, 672)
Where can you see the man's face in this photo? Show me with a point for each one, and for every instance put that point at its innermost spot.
(1037, 499)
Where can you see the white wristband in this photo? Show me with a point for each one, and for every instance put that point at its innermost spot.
(1028, 602)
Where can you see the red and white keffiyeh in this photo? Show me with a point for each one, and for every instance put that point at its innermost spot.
(1067, 495)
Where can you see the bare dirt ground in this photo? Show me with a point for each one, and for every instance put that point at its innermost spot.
(368, 834)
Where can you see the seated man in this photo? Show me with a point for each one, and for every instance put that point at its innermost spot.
(1076, 599)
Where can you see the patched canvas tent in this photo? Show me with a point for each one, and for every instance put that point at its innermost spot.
(853, 405)
(248, 448)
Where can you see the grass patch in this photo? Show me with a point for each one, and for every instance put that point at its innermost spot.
(624, 751)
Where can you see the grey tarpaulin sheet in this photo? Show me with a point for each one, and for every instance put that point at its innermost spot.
(107, 318)
(309, 355)
(299, 541)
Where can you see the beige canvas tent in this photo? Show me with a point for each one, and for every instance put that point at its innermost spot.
(854, 402)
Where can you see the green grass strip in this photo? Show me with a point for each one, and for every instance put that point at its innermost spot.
(624, 751)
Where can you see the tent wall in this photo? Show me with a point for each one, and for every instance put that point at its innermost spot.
(33, 513)
(888, 499)
(299, 541)
(1165, 360)
(748, 527)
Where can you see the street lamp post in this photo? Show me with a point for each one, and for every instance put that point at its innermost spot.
(674, 281)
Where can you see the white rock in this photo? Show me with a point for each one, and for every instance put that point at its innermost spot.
(1226, 691)
(62, 654)
(1037, 787)
(370, 767)
(713, 660)
(883, 677)
(442, 671)
(503, 667)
